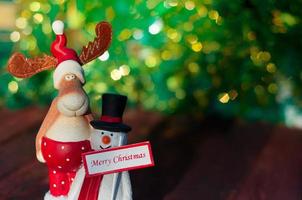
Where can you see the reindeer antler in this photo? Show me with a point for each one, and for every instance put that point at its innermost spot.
(99, 45)
(22, 67)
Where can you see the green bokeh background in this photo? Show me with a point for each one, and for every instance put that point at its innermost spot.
(232, 58)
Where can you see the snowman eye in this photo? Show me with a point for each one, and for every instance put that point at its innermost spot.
(111, 134)
(102, 133)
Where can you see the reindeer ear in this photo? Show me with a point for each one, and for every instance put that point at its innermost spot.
(99, 45)
(22, 67)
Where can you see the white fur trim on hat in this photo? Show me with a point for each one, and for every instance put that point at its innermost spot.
(67, 67)
(58, 27)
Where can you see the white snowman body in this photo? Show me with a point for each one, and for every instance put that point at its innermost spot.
(116, 186)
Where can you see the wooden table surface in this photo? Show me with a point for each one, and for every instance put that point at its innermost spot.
(205, 159)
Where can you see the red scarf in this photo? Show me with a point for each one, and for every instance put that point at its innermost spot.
(90, 188)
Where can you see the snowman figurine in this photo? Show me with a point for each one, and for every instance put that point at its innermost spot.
(109, 131)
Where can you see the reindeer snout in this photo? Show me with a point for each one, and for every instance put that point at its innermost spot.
(73, 104)
(74, 101)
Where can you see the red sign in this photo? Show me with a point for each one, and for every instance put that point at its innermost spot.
(118, 159)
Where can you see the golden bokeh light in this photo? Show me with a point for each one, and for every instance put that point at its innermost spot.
(197, 47)
(272, 88)
(15, 36)
(271, 67)
(35, 6)
(213, 14)
(193, 67)
(124, 35)
(166, 55)
(151, 61)
(124, 70)
(116, 74)
(13, 87)
(38, 18)
(189, 5)
(21, 22)
(224, 97)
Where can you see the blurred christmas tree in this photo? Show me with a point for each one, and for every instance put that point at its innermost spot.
(237, 58)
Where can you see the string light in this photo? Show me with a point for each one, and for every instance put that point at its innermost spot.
(116, 74)
(15, 36)
(156, 27)
(180, 94)
(197, 47)
(251, 35)
(213, 14)
(189, 5)
(271, 67)
(46, 28)
(233, 94)
(202, 11)
(193, 67)
(172, 83)
(45, 8)
(210, 46)
(26, 14)
(170, 3)
(124, 35)
(138, 34)
(35, 6)
(166, 55)
(272, 88)
(13, 87)
(27, 30)
(224, 97)
(264, 56)
(100, 87)
(188, 26)
(124, 70)
(163, 44)
(110, 13)
(21, 22)
(259, 90)
(172, 34)
(151, 61)
(32, 43)
(38, 18)
(192, 39)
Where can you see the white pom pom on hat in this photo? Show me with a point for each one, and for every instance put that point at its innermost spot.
(68, 61)
(58, 27)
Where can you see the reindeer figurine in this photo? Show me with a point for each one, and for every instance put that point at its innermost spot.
(65, 131)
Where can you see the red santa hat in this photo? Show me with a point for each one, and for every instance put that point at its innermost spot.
(68, 60)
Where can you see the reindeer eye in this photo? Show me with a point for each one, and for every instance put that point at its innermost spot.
(69, 77)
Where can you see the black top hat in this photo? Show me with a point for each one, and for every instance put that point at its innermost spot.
(113, 106)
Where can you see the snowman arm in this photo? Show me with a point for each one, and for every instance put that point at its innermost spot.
(125, 182)
(126, 185)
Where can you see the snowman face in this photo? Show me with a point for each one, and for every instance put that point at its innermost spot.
(101, 139)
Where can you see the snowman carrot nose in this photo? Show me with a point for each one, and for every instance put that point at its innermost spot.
(106, 139)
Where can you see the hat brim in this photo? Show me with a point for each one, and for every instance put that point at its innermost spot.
(116, 127)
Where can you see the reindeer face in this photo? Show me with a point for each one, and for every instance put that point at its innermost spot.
(101, 139)
(72, 99)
